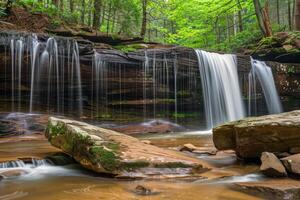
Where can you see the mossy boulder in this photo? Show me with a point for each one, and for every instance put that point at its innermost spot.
(281, 47)
(251, 136)
(110, 152)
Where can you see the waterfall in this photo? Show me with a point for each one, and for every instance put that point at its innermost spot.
(263, 73)
(17, 50)
(99, 84)
(48, 69)
(221, 91)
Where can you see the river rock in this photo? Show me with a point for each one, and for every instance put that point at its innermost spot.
(271, 166)
(276, 189)
(251, 136)
(292, 164)
(110, 152)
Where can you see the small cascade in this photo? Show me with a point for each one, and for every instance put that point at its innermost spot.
(17, 51)
(12, 164)
(221, 91)
(51, 66)
(22, 164)
(99, 84)
(263, 74)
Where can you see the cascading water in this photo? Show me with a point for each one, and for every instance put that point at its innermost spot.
(50, 71)
(221, 90)
(263, 73)
(17, 50)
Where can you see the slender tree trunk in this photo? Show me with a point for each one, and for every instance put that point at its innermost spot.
(71, 6)
(97, 13)
(144, 19)
(290, 15)
(108, 18)
(82, 11)
(241, 26)
(90, 17)
(297, 15)
(277, 12)
(61, 6)
(55, 2)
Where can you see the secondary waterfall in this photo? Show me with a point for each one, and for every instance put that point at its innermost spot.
(263, 74)
(53, 70)
(221, 90)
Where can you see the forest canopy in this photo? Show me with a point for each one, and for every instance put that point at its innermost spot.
(224, 25)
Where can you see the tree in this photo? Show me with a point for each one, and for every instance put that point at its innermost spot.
(263, 19)
(144, 18)
(297, 15)
(97, 14)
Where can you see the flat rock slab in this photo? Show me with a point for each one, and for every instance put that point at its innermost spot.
(110, 152)
(252, 136)
(272, 189)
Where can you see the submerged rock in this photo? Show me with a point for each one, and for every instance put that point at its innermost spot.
(292, 164)
(272, 166)
(142, 190)
(252, 136)
(106, 151)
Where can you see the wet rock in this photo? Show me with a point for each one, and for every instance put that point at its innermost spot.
(1, 177)
(146, 141)
(271, 166)
(295, 150)
(188, 147)
(61, 159)
(282, 155)
(155, 126)
(110, 152)
(292, 164)
(142, 190)
(13, 173)
(252, 136)
(276, 189)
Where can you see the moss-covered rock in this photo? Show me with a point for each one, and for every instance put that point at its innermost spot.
(106, 151)
(281, 47)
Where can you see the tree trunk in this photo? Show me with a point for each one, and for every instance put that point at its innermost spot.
(55, 2)
(97, 13)
(297, 15)
(61, 6)
(263, 20)
(241, 27)
(144, 20)
(82, 11)
(290, 15)
(71, 6)
(277, 12)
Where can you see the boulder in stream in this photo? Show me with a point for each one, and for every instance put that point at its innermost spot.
(120, 155)
(251, 136)
(271, 166)
(292, 164)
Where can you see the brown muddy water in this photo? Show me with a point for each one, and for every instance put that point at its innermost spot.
(47, 181)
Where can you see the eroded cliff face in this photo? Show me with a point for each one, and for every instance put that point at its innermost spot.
(139, 80)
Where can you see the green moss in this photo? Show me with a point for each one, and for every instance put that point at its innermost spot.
(55, 130)
(108, 159)
(129, 48)
(130, 166)
(172, 165)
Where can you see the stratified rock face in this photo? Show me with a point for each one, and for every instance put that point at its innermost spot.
(292, 164)
(272, 166)
(106, 151)
(252, 136)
